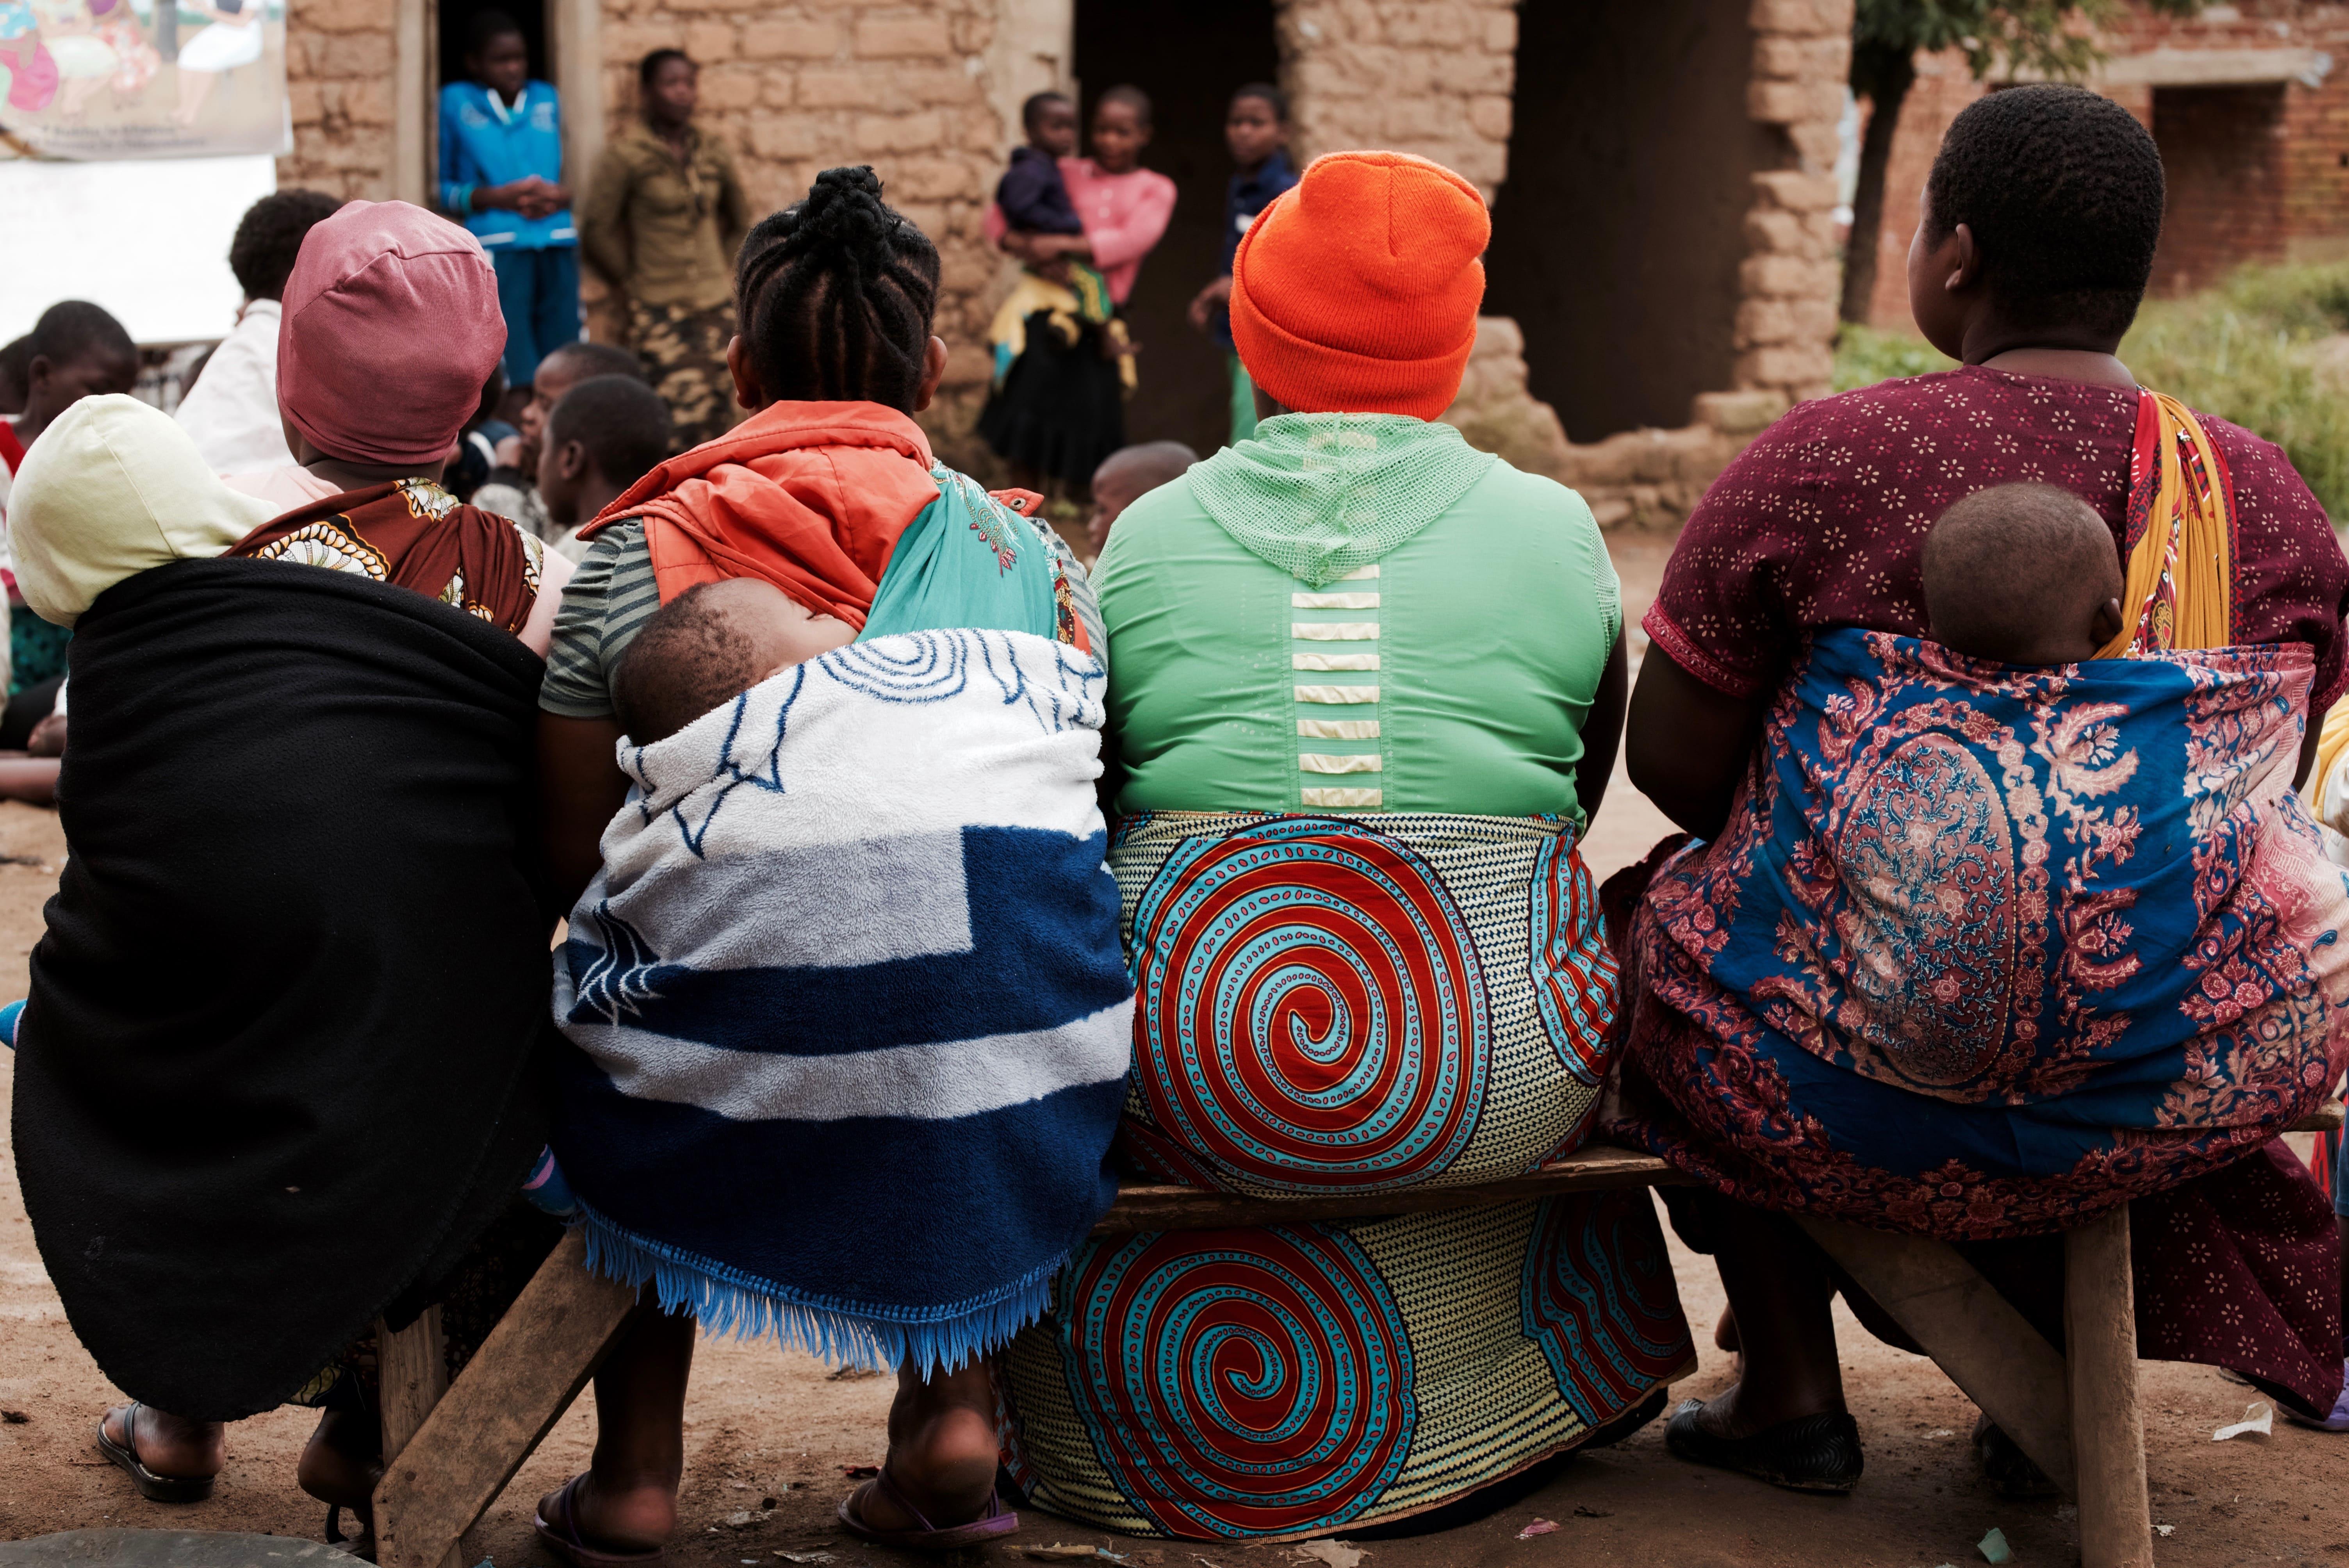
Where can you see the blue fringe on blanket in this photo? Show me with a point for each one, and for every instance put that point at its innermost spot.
(727, 1301)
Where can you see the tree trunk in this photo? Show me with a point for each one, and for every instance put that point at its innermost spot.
(1892, 79)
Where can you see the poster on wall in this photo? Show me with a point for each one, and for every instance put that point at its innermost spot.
(142, 78)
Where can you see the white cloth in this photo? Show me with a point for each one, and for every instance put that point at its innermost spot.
(231, 413)
(111, 488)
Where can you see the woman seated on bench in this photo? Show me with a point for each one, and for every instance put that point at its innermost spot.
(1364, 694)
(2124, 977)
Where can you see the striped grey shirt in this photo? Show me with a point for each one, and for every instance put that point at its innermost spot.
(612, 594)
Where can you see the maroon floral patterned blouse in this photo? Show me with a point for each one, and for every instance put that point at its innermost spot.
(1818, 523)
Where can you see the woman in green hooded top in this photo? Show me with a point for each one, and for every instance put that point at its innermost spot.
(1366, 685)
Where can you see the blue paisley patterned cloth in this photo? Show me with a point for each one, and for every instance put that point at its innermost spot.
(1987, 951)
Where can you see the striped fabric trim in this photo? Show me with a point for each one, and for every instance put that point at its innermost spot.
(1334, 630)
(1361, 574)
(1344, 799)
(1307, 634)
(1338, 728)
(1333, 600)
(1337, 694)
(1342, 762)
(1333, 661)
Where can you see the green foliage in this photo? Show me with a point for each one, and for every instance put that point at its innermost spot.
(2246, 351)
(2052, 38)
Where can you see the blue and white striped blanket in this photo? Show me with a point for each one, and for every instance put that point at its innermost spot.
(851, 1015)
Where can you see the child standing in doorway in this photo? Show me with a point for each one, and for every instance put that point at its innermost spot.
(1058, 409)
(502, 177)
(1255, 128)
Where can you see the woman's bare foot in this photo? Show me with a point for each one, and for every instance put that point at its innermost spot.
(343, 1460)
(941, 1450)
(627, 1500)
(628, 1517)
(172, 1444)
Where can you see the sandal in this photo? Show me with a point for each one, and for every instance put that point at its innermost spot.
(361, 1546)
(996, 1519)
(1809, 1453)
(154, 1488)
(561, 1536)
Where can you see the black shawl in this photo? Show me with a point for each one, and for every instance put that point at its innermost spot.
(276, 1067)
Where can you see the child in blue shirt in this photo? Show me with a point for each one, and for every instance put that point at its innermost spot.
(1255, 130)
(502, 176)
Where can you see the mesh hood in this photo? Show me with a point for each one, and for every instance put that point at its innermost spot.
(1320, 494)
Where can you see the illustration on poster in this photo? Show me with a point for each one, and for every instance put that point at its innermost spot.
(87, 78)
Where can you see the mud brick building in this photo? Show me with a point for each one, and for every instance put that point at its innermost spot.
(1663, 264)
(2250, 104)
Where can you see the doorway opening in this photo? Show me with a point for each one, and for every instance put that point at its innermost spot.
(2222, 156)
(1619, 233)
(1189, 72)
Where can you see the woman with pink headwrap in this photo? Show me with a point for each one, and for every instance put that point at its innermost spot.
(385, 343)
(301, 809)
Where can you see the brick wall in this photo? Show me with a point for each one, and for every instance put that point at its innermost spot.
(1429, 78)
(798, 89)
(2257, 172)
(338, 71)
(1792, 276)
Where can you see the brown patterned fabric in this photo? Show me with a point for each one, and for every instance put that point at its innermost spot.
(413, 534)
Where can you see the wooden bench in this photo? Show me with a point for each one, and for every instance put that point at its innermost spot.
(449, 1454)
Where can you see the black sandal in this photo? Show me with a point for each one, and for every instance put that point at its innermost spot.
(152, 1487)
(1809, 1453)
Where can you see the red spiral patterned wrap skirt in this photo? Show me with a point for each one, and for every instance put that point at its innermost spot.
(1347, 1004)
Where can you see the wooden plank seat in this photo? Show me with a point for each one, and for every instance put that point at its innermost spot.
(448, 1455)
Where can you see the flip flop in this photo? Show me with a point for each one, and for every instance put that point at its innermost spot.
(561, 1536)
(1809, 1453)
(996, 1520)
(152, 1487)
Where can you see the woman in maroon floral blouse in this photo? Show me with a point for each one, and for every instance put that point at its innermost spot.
(2032, 254)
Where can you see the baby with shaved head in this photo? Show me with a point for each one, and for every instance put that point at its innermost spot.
(2023, 574)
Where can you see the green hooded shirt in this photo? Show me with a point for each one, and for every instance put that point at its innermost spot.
(1355, 613)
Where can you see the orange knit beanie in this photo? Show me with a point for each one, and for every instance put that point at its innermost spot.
(1357, 291)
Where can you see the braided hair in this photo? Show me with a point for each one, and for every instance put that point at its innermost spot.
(836, 293)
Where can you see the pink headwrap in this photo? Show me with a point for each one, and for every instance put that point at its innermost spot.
(391, 330)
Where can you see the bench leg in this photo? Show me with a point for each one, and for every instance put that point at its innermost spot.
(526, 1374)
(1986, 1347)
(2108, 1431)
(413, 1368)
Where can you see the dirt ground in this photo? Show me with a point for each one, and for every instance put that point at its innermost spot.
(764, 1426)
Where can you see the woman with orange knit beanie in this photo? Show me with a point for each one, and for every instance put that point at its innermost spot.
(1365, 687)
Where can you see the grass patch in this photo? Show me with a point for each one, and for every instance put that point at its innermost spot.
(2244, 350)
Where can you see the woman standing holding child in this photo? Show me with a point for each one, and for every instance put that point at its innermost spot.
(2067, 939)
(1058, 409)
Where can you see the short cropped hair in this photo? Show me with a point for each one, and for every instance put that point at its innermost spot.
(620, 422)
(15, 369)
(2062, 189)
(649, 67)
(1269, 94)
(2004, 566)
(73, 328)
(601, 358)
(1130, 95)
(686, 661)
(1032, 109)
(488, 26)
(269, 236)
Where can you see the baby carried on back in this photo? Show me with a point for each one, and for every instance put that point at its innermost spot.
(851, 1013)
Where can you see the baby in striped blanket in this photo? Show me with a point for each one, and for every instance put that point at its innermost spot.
(708, 646)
